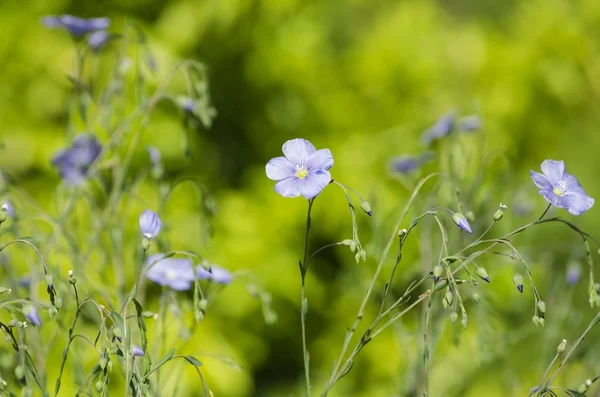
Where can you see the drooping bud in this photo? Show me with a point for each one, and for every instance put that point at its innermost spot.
(437, 273)
(363, 255)
(453, 317)
(99, 386)
(145, 246)
(346, 242)
(449, 297)
(19, 372)
(475, 297)
(498, 215)
(366, 207)
(464, 320)
(536, 320)
(542, 321)
(541, 305)
(482, 273)
(461, 222)
(402, 233)
(353, 245)
(561, 347)
(202, 304)
(518, 280)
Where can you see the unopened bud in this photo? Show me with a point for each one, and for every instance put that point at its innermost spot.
(357, 257)
(199, 316)
(19, 372)
(363, 255)
(58, 303)
(346, 241)
(52, 312)
(49, 280)
(541, 305)
(117, 332)
(498, 215)
(366, 207)
(145, 244)
(99, 386)
(518, 280)
(402, 233)
(202, 304)
(536, 320)
(353, 245)
(542, 322)
(449, 297)
(475, 297)
(481, 272)
(103, 362)
(561, 347)
(437, 273)
(441, 285)
(461, 222)
(464, 320)
(453, 317)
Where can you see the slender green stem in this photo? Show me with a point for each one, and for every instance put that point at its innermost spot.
(304, 305)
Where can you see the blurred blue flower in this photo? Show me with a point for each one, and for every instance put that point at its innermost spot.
(97, 39)
(74, 162)
(8, 207)
(175, 273)
(137, 351)
(33, 316)
(405, 164)
(303, 171)
(220, 275)
(573, 273)
(441, 129)
(150, 224)
(470, 123)
(154, 155)
(461, 222)
(561, 189)
(76, 26)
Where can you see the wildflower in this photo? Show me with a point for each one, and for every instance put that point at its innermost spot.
(73, 163)
(175, 273)
(154, 155)
(573, 273)
(405, 164)
(8, 208)
(98, 39)
(150, 224)
(76, 26)
(561, 189)
(220, 275)
(470, 123)
(137, 351)
(303, 171)
(441, 129)
(33, 316)
(461, 222)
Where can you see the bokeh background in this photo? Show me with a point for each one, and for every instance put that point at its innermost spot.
(364, 79)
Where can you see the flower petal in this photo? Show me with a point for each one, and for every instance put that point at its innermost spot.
(280, 168)
(320, 160)
(314, 183)
(540, 180)
(578, 202)
(289, 187)
(179, 284)
(553, 198)
(298, 150)
(554, 170)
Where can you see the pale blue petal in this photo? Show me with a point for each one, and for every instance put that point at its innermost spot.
(220, 275)
(320, 160)
(577, 202)
(202, 273)
(540, 180)
(289, 187)
(298, 150)
(280, 168)
(554, 170)
(150, 224)
(314, 183)
(179, 284)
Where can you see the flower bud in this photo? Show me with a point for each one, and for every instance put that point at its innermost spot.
(103, 362)
(464, 320)
(402, 233)
(49, 280)
(202, 304)
(437, 273)
(363, 255)
(561, 347)
(357, 257)
(145, 243)
(99, 386)
(366, 207)
(353, 245)
(461, 222)
(536, 320)
(453, 317)
(541, 305)
(52, 312)
(449, 297)
(475, 297)
(346, 241)
(440, 286)
(19, 372)
(542, 321)
(482, 273)
(58, 303)
(117, 332)
(518, 280)
(199, 316)
(498, 215)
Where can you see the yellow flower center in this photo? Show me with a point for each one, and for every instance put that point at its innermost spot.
(301, 171)
(171, 275)
(560, 189)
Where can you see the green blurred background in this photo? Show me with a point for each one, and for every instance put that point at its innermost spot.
(363, 78)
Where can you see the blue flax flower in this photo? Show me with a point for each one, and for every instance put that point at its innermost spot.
(150, 224)
(573, 273)
(220, 275)
(561, 189)
(405, 164)
(462, 222)
(470, 123)
(303, 171)
(33, 316)
(154, 155)
(76, 26)
(73, 163)
(441, 129)
(98, 39)
(137, 351)
(175, 273)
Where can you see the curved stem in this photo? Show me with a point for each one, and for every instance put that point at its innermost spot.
(304, 305)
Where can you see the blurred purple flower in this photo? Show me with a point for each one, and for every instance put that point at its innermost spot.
(405, 164)
(573, 273)
(220, 275)
(154, 155)
(176, 273)
(74, 162)
(303, 171)
(441, 129)
(137, 351)
(97, 39)
(33, 316)
(76, 26)
(10, 210)
(470, 123)
(150, 224)
(188, 105)
(561, 189)
(461, 222)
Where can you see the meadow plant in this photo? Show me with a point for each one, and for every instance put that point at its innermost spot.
(70, 282)
(450, 278)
